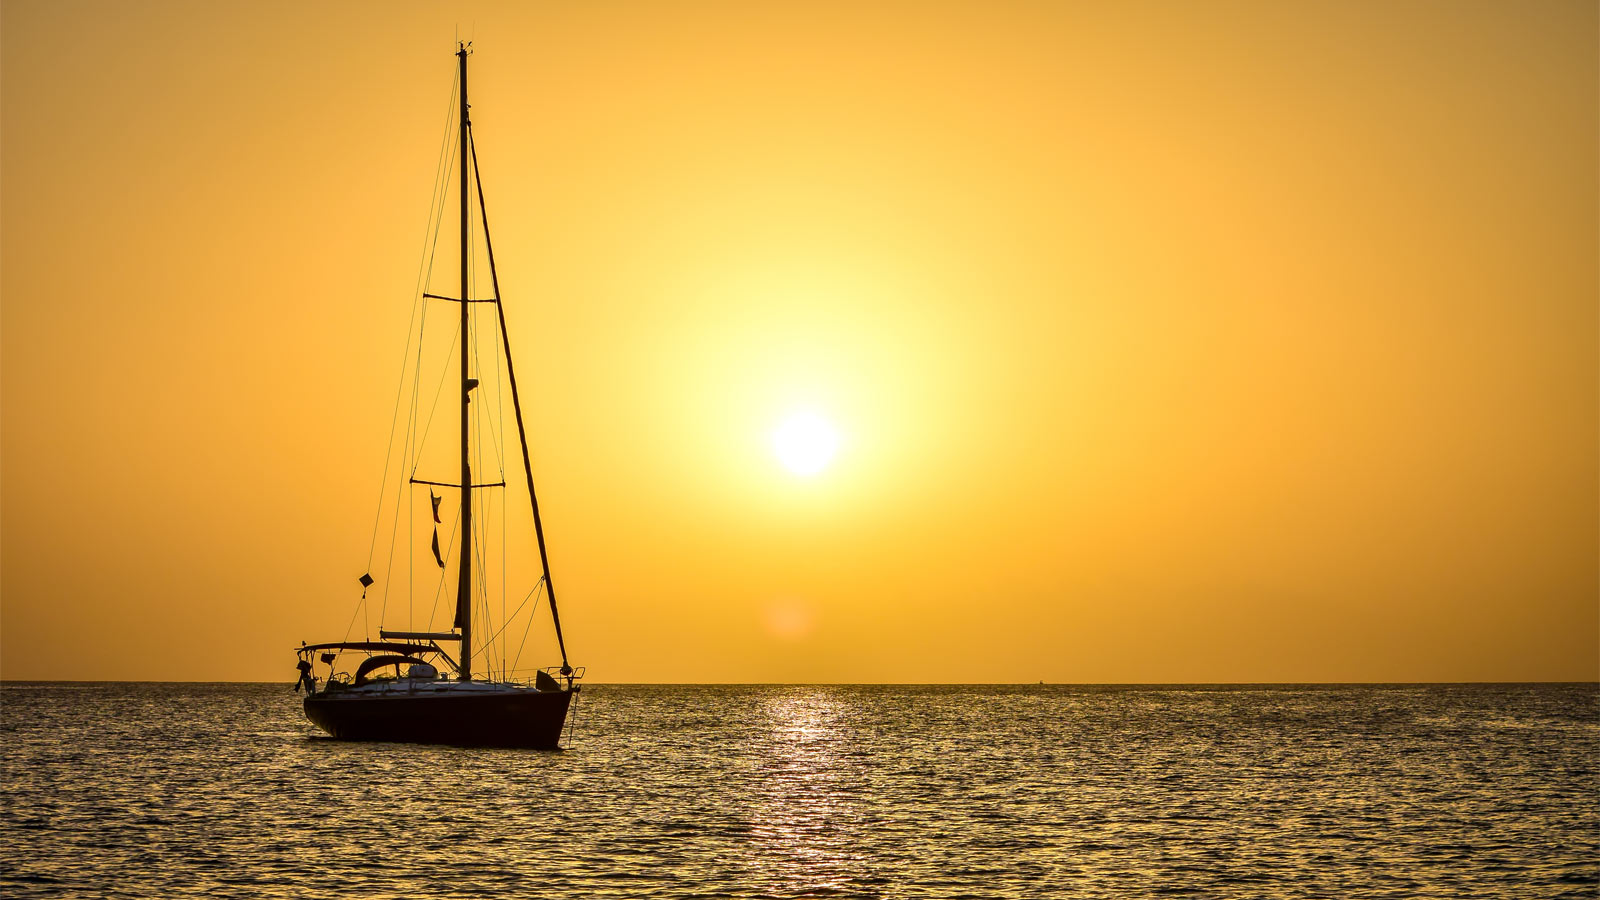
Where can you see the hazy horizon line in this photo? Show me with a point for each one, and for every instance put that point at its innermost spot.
(1595, 682)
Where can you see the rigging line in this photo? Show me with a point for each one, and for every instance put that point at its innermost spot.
(423, 437)
(480, 424)
(504, 505)
(414, 455)
(436, 196)
(487, 625)
(437, 393)
(572, 725)
(485, 419)
(394, 531)
(412, 452)
(526, 628)
(441, 168)
(493, 421)
(360, 605)
(500, 402)
(436, 199)
(442, 181)
(490, 418)
(489, 647)
(482, 551)
(404, 357)
(411, 550)
(480, 613)
(438, 225)
(481, 617)
(488, 609)
(476, 408)
(394, 422)
(411, 507)
(497, 425)
(481, 419)
(531, 595)
(479, 588)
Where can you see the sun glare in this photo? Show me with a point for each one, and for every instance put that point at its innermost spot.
(805, 443)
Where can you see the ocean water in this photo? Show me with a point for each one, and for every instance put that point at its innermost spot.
(224, 790)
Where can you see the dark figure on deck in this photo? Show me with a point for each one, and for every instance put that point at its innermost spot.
(306, 681)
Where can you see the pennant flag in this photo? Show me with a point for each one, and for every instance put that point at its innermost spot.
(366, 582)
(435, 506)
(436, 554)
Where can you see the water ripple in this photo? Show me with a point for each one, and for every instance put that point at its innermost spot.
(141, 790)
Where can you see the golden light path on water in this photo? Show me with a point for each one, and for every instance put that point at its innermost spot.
(805, 812)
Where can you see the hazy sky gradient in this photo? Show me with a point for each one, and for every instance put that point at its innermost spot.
(1177, 342)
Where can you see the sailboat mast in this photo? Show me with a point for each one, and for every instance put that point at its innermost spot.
(464, 592)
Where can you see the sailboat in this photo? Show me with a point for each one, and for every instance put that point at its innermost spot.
(406, 685)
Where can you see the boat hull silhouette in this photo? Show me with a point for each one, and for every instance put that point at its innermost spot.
(510, 717)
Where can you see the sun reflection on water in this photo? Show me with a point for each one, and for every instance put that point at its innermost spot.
(808, 809)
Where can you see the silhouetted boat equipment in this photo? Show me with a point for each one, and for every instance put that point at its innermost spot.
(417, 704)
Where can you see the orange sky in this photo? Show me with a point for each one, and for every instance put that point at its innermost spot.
(1169, 342)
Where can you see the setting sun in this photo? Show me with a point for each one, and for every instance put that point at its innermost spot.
(805, 443)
